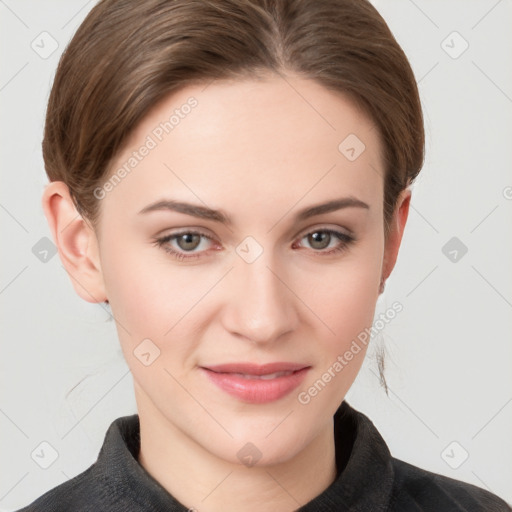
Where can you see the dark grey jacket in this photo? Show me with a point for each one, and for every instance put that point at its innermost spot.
(369, 479)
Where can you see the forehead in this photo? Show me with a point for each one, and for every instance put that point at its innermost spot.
(274, 139)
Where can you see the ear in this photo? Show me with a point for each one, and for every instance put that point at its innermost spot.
(76, 241)
(396, 231)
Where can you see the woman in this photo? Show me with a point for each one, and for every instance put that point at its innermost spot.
(233, 179)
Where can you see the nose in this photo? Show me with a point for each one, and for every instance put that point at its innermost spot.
(261, 307)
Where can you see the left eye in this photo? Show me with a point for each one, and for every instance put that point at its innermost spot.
(321, 238)
(188, 241)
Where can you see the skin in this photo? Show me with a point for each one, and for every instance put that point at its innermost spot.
(259, 151)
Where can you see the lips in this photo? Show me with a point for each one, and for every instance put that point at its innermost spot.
(256, 370)
(256, 383)
(266, 376)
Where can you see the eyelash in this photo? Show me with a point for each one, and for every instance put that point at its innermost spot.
(346, 240)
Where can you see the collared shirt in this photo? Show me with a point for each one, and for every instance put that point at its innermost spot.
(368, 478)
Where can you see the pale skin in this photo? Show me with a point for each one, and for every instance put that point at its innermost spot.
(260, 152)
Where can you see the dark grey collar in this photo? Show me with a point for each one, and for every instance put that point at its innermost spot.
(364, 481)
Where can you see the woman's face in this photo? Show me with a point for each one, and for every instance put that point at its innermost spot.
(275, 283)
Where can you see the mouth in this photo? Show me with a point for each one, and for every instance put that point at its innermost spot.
(254, 370)
(266, 376)
(257, 383)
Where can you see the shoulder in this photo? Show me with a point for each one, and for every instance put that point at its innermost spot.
(75, 494)
(384, 482)
(104, 485)
(415, 488)
(115, 482)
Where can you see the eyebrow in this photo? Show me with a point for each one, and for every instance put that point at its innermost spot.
(206, 213)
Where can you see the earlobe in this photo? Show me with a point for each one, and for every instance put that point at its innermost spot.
(76, 241)
(396, 232)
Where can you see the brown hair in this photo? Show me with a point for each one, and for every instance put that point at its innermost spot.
(127, 55)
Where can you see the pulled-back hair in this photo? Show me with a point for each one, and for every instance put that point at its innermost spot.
(128, 55)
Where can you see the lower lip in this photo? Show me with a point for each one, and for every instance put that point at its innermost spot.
(256, 391)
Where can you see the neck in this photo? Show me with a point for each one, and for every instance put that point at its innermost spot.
(200, 480)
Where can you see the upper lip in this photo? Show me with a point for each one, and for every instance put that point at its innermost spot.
(255, 369)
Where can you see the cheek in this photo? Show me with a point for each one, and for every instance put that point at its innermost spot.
(345, 301)
(346, 308)
(146, 294)
(151, 301)
(349, 303)
(134, 289)
(346, 297)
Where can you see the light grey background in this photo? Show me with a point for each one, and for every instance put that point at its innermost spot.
(449, 352)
